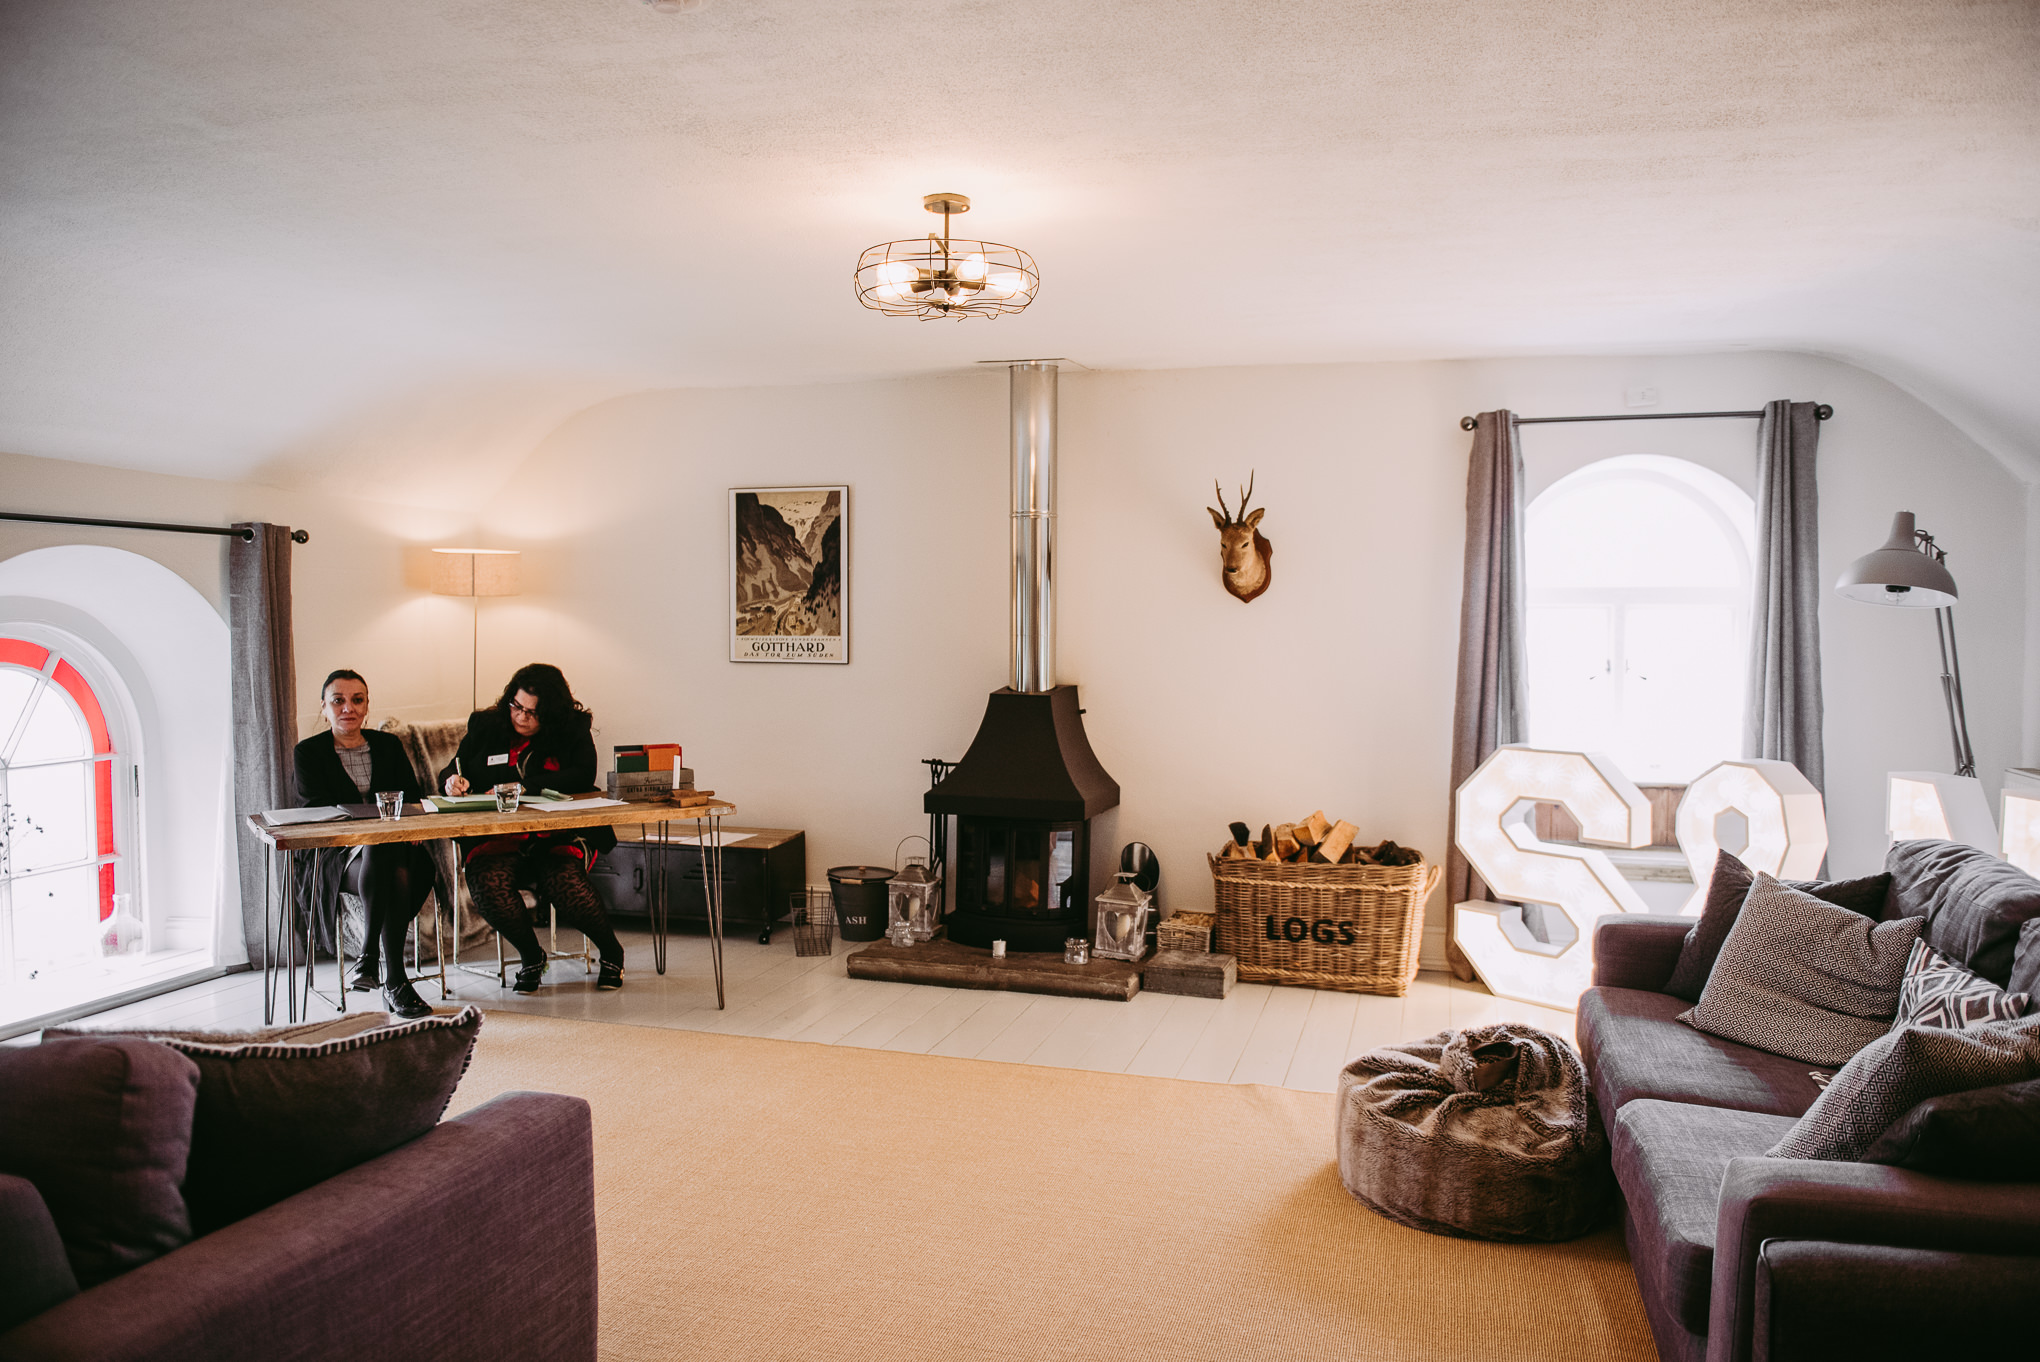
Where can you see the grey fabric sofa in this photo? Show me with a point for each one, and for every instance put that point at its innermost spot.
(1744, 1258)
(473, 1243)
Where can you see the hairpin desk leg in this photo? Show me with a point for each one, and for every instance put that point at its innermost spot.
(656, 888)
(272, 914)
(712, 891)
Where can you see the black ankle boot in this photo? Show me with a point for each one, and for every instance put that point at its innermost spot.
(528, 977)
(403, 1000)
(611, 977)
(367, 978)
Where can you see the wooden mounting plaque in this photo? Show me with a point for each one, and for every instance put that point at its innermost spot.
(953, 966)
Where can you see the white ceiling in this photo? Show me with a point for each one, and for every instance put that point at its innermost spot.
(261, 240)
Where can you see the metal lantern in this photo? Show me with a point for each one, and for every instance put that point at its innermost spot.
(1122, 920)
(914, 889)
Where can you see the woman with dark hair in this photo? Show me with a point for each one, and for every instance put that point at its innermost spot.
(538, 736)
(348, 764)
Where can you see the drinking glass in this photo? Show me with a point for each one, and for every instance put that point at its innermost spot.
(506, 796)
(389, 804)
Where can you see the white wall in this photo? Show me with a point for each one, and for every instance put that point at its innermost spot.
(358, 585)
(1334, 690)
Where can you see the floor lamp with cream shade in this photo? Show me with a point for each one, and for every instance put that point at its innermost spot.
(477, 573)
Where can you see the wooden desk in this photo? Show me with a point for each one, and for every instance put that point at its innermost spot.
(285, 931)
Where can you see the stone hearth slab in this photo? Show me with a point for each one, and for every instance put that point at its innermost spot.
(954, 966)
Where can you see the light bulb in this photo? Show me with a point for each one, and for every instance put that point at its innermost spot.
(1005, 283)
(971, 269)
(896, 272)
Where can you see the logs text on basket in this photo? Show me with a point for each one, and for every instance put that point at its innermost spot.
(1322, 930)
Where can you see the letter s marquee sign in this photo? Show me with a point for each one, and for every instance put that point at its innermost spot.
(1546, 955)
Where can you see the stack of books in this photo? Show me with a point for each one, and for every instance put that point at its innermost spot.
(652, 773)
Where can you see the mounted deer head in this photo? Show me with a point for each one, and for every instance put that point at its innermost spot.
(1242, 552)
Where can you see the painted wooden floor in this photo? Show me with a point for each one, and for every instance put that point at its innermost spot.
(1284, 1037)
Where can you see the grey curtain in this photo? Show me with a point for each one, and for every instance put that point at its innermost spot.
(1782, 712)
(265, 691)
(1489, 711)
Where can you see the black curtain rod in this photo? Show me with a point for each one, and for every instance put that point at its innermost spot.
(1823, 411)
(296, 536)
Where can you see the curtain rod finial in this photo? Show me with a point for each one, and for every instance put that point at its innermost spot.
(1469, 423)
(300, 537)
(1823, 411)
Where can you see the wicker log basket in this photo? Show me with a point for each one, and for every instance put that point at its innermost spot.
(1355, 928)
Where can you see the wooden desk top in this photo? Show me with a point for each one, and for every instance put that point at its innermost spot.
(426, 827)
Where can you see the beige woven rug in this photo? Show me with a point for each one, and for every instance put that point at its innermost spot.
(763, 1199)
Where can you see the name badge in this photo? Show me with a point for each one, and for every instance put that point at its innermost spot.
(500, 760)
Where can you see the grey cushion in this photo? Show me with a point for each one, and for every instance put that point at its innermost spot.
(34, 1273)
(1725, 894)
(1803, 978)
(1669, 1160)
(1901, 1069)
(103, 1130)
(1975, 905)
(1635, 1047)
(1990, 1134)
(275, 1119)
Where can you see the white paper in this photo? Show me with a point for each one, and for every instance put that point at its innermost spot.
(564, 805)
(318, 813)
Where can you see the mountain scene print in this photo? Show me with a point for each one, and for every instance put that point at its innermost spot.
(789, 562)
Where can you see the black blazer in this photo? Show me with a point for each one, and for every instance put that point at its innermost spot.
(321, 779)
(561, 757)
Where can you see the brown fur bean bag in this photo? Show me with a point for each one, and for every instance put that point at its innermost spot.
(1487, 1134)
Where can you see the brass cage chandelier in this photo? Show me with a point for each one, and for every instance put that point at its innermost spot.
(941, 278)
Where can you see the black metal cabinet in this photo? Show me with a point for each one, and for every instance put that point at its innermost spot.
(762, 869)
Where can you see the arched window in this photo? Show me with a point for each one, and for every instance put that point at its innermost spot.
(62, 811)
(1639, 572)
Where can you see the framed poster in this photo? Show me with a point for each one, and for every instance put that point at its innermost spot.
(789, 576)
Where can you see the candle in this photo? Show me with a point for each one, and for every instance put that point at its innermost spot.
(998, 950)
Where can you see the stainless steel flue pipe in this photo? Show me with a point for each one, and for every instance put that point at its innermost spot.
(1033, 400)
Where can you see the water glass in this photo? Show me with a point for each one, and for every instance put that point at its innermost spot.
(1076, 951)
(506, 796)
(389, 804)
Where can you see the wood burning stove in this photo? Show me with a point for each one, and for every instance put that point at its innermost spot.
(1025, 793)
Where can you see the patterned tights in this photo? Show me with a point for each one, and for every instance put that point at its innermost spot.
(560, 878)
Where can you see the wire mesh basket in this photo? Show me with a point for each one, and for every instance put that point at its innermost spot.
(814, 922)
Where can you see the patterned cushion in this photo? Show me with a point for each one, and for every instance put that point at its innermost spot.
(1803, 978)
(1938, 992)
(1725, 894)
(1892, 1075)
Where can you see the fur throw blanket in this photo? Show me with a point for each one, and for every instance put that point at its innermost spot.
(1487, 1134)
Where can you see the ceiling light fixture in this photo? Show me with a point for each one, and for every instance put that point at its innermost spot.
(940, 278)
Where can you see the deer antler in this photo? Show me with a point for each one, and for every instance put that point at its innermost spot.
(1246, 494)
(1221, 502)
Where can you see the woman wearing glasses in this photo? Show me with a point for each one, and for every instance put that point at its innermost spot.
(347, 764)
(540, 737)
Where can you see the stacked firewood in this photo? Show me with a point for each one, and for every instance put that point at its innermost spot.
(1315, 840)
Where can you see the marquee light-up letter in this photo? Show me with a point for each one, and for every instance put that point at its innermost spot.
(2022, 830)
(1788, 825)
(1929, 804)
(1493, 830)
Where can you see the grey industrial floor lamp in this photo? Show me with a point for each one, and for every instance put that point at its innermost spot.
(1910, 570)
